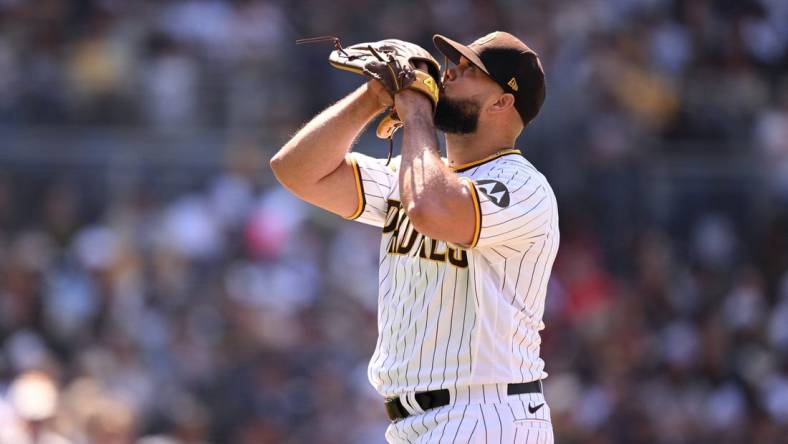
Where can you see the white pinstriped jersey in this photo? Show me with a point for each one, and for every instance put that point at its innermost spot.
(453, 316)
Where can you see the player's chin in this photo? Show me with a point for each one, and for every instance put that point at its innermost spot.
(457, 116)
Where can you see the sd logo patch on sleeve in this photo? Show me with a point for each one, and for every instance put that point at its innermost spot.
(495, 191)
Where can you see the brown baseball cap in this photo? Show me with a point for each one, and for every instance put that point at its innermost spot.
(508, 61)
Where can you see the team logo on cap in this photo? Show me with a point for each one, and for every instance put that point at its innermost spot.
(513, 84)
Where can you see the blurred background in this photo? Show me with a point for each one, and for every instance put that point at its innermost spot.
(158, 287)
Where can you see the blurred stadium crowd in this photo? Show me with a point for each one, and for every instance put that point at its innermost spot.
(216, 308)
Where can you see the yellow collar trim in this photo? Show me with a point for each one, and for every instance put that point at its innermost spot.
(486, 159)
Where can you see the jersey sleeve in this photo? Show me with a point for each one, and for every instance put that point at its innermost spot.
(514, 205)
(375, 182)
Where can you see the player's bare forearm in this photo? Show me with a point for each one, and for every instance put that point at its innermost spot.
(422, 176)
(320, 146)
(436, 200)
(315, 165)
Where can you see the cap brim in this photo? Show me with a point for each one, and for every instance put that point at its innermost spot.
(454, 50)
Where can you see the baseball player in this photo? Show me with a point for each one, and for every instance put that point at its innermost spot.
(468, 241)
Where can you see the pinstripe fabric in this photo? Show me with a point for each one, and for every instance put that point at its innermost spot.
(474, 319)
(454, 317)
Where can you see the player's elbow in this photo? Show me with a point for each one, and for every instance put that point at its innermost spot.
(444, 219)
(425, 215)
(284, 170)
(277, 165)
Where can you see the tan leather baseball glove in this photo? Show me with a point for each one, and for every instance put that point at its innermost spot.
(394, 64)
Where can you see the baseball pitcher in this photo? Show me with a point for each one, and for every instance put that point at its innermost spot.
(468, 241)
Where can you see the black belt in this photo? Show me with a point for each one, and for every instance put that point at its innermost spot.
(439, 398)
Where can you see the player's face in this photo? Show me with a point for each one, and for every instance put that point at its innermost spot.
(465, 89)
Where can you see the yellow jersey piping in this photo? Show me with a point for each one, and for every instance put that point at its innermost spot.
(477, 210)
(362, 201)
(465, 166)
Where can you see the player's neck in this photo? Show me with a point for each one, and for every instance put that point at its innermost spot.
(467, 148)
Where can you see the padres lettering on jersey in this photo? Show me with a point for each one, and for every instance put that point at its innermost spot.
(404, 238)
(450, 315)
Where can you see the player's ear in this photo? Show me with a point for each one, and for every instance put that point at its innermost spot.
(504, 102)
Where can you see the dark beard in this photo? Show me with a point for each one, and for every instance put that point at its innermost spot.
(457, 116)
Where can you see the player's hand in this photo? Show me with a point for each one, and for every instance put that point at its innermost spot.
(380, 93)
(383, 95)
(409, 103)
